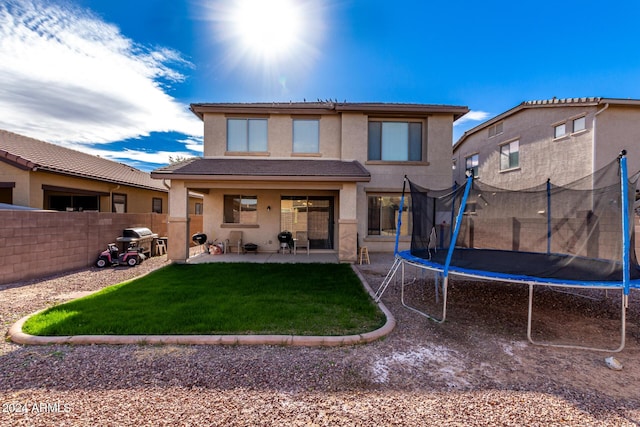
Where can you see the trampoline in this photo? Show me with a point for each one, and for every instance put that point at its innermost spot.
(577, 235)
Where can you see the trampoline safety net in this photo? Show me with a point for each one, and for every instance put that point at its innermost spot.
(564, 232)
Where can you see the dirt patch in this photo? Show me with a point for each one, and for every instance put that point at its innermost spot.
(483, 341)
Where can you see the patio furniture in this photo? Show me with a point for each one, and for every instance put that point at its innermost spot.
(364, 255)
(234, 242)
(301, 241)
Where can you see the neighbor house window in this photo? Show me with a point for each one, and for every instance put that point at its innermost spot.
(119, 203)
(306, 136)
(198, 208)
(395, 141)
(495, 129)
(156, 205)
(579, 124)
(471, 164)
(246, 135)
(239, 209)
(510, 155)
(559, 130)
(382, 215)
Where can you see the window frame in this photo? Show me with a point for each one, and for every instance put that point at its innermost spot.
(584, 124)
(510, 155)
(298, 144)
(261, 146)
(558, 126)
(154, 208)
(114, 202)
(229, 215)
(496, 129)
(415, 140)
(390, 232)
(475, 168)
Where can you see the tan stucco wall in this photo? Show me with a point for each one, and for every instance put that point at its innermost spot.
(564, 159)
(618, 128)
(540, 156)
(21, 193)
(280, 136)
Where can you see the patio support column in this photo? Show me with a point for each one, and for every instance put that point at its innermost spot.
(178, 222)
(348, 224)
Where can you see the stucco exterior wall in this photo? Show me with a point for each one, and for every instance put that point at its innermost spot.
(540, 155)
(279, 134)
(618, 128)
(21, 192)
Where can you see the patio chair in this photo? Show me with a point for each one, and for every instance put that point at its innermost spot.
(301, 241)
(234, 242)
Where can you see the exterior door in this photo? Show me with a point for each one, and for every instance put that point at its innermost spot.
(313, 215)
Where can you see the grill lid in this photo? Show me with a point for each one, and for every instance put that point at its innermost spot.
(137, 232)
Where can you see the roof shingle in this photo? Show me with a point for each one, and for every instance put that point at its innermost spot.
(29, 153)
(263, 168)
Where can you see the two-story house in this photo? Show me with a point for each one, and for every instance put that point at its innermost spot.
(333, 171)
(557, 139)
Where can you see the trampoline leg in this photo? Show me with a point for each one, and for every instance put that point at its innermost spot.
(444, 299)
(623, 327)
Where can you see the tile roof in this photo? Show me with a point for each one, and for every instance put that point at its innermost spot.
(28, 153)
(264, 169)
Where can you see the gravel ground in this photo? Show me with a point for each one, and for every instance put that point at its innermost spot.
(475, 369)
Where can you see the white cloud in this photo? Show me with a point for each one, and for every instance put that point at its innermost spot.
(68, 77)
(472, 116)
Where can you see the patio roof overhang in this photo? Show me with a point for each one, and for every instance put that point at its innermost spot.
(264, 170)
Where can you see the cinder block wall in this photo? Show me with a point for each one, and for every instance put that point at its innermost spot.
(35, 244)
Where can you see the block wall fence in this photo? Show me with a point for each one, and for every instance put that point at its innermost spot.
(36, 244)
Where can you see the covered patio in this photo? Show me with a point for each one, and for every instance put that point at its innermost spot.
(256, 199)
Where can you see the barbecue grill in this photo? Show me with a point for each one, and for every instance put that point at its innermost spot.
(140, 237)
(286, 240)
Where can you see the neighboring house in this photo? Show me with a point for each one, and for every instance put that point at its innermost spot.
(41, 175)
(331, 172)
(558, 139)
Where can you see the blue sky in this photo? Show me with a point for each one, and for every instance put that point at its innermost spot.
(115, 77)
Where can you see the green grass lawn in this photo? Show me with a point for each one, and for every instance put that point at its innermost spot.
(221, 298)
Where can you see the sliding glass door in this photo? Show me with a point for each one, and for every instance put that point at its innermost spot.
(312, 215)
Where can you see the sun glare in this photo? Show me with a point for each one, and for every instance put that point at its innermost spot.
(268, 33)
(268, 29)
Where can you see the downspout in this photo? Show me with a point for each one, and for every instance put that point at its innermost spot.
(593, 138)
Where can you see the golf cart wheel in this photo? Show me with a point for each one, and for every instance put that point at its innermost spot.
(132, 261)
(101, 262)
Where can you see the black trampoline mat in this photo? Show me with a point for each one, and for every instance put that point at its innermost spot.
(533, 264)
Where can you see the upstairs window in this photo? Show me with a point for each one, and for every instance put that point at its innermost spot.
(247, 135)
(306, 136)
(495, 129)
(510, 155)
(395, 141)
(560, 130)
(579, 124)
(471, 164)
